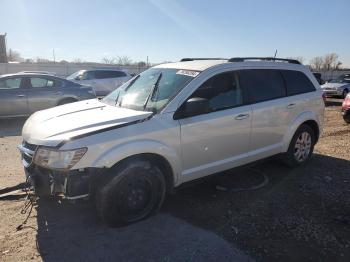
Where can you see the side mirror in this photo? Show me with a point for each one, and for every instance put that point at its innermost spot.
(193, 107)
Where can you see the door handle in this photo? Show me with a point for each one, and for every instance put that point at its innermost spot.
(21, 95)
(242, 116)
(291, 105)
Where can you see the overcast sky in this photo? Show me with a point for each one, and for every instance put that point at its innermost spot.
(166, 30)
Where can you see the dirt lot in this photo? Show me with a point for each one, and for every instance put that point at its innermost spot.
(300, 215)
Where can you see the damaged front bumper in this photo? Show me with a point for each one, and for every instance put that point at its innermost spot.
(70, 185)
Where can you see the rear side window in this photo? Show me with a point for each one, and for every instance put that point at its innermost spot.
(262, 84)
(109, 74)
(297, 82)
(38, 82)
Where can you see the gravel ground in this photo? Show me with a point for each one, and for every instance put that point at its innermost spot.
(300, 215)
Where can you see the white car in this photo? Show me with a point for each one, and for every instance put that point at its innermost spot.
(337, 87)
(103, 81)
(169, 125)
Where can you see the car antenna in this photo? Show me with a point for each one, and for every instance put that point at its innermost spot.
(274, 57)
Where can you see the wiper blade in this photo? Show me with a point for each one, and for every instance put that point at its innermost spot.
(153, 91)
(131, 83)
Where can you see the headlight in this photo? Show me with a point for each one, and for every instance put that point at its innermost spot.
(58, 159)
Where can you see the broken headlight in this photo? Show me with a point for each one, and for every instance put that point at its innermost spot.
(58, 159)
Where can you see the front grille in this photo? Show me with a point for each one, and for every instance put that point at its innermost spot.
(27, 151)
(29, 146)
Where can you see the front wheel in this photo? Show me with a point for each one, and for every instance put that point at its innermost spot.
(301, 147)
(345, 93)
(136, 190)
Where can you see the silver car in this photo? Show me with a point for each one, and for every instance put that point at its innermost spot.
(169, 125)
(24, 94)
(337, 87)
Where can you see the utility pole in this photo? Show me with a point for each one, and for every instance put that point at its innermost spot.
(53, 54)
(147, 62)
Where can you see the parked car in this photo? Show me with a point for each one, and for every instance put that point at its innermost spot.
(24, 94)
(337, 87)
(103, 81)
(346, 109)
(169, 125)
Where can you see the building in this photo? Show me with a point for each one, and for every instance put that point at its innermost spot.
(3, 56)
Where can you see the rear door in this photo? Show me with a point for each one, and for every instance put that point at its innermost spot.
(43, 92)
(13, 97)
(272, 110)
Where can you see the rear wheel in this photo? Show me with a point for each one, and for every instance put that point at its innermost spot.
(136, 191)
(301, 147)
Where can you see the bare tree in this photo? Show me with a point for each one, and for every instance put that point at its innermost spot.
(330, 61)
(109, 61)
(141, 64)
(316, 63)
(14, 56)
(42, 60)
(124, 60)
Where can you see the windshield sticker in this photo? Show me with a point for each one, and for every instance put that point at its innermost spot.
(187, 73)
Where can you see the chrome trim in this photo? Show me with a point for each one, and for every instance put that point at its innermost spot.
(25, 150)
(25, 163)
(76, 197)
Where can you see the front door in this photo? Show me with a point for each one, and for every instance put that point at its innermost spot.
(43, 92)
(220, 139)
(13, 97)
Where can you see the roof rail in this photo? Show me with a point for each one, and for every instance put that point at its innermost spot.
(242, 59)
(200, 58)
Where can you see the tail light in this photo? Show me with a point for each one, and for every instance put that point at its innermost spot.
(346, 103)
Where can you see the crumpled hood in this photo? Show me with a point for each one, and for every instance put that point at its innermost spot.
(333, 85)
(52, 126)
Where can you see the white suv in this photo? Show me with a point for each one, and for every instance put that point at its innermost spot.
(169, 125)
(103, 81)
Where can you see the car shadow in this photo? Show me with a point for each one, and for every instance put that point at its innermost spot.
(12, 126)
(255, 220)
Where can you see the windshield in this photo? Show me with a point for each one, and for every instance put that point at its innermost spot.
(151, 90)
(75, 75)
(340, 80)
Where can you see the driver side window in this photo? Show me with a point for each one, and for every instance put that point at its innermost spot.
(222, 91)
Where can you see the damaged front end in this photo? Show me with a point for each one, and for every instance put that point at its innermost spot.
(68, 184)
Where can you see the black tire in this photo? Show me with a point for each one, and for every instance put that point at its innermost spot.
(300, 151)
(66, 101)
(135, 190)
(345, 93)
(346, 116)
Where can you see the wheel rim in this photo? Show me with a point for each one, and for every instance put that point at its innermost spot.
(136, 200)
(302, 147)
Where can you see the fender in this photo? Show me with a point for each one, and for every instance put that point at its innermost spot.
(301, 118)
(122, 151)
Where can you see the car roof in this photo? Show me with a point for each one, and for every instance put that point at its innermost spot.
(203, 64)
(29, 74)
(196, 65)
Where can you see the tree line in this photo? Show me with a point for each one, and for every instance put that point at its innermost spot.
(319, 63)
